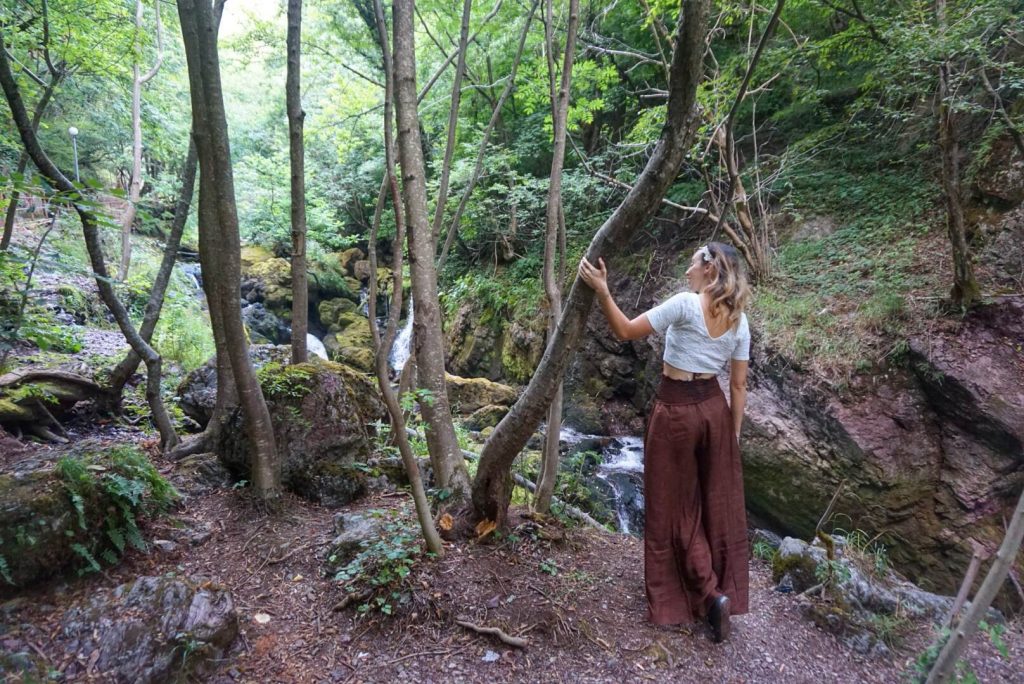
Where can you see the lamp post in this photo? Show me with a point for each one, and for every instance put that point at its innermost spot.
(73, 132)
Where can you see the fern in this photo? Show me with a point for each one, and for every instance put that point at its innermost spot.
(87, 555)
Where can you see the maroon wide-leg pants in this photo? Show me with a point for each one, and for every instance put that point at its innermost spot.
(695, 534)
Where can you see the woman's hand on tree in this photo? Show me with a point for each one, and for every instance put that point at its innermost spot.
(595, 276)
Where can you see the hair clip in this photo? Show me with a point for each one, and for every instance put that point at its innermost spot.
(705, 254)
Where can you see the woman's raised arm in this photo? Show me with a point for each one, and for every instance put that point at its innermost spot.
(623, 328)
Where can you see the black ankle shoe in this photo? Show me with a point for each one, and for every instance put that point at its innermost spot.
(718, 617)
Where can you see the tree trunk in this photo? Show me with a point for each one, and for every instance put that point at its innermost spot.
(965, 291)
(217, 201)
(492, 486)
(300, 290)
(383, 346)
(552, 285)
(135, 189)
(453, 228)
(445, 455)
(90, 232)
(453, 122)
(37, 116)
(944, 667)
(124, 370)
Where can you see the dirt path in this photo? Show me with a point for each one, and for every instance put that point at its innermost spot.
(577, 599)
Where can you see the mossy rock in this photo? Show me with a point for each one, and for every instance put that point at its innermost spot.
(485, 416)
(467, 395)
(331, 310)
(252, 255)
(321, 414)
(76, 514)
(348, 258)
(352, 343)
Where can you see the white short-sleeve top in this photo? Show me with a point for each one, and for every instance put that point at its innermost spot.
(688, 344)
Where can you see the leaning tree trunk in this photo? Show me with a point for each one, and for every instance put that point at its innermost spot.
(552, 285)
(296, 146)
(135, 188)
(492, 487)
(217, 200)
(445, 454)
(91, 234)
(124, 370)
(944, 667)
(37, 115)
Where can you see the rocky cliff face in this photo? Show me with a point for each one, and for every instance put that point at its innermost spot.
(927, 456)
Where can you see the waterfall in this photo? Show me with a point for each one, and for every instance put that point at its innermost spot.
(315, 346)
(401, 349)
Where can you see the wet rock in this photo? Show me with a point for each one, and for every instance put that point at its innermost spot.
(321, 414)
(154, 629)
(467, 395)
(264, 325)
(361, 270)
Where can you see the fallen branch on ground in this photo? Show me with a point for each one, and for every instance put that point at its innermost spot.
(494, 631)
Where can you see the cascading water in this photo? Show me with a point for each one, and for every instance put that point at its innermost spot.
(402, 347)
(621, 470)
(622, 467)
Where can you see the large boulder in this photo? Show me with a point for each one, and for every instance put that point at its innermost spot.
(467, 395)
(275, 277)
(348, 258)
(265, 327)
(484, 344)
(197, 392)
(153, 629)
(322, 414)
(332, 311)
(78, 512)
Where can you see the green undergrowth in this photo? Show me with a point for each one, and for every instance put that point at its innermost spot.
(110, 493)
(842, 302)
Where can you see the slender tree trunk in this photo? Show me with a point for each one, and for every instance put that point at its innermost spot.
(552, 285)
(217, 201)
(453, 122)
(445, 454)
(945, 665)
(965, 291)
(37, 116)
(300, 290)
(453, 228)
(383, 346)
(124, 370)
(90, 232)
(748, 242)
(492, 486)
(135, 189)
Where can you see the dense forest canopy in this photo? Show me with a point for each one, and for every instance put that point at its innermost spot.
(862, 155)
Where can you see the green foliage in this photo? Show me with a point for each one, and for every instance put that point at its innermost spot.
(289, 383)
(381, 570)
(109, 494)
(764, 551)
(549, 566)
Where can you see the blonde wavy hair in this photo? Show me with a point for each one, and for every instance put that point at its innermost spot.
(730, 287)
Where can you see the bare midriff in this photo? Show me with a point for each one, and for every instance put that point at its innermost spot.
(674, 373)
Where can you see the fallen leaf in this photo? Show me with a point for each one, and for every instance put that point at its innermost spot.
(261, 618)
(445, 522)
(484, 528)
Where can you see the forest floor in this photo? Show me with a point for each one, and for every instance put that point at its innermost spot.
(575, 595)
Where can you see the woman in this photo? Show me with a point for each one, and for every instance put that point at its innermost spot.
(695, 536)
